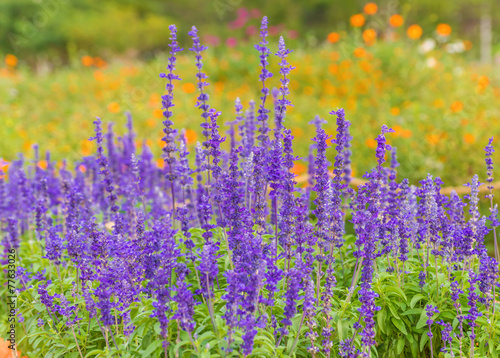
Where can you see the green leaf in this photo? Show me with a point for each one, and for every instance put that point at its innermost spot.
(152, 348)
(399, 325)
(423, 341)
(381, 320)
(422, 321)
(415, 299)
(393, 310)
(412, 311)
(401, 346)
(413, 347)
(340, 330)
(396, 290)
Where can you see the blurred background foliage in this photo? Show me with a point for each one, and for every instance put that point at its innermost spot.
(55, 29)
(417, 66)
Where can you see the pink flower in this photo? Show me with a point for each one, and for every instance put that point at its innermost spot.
(251, 30)
(231, 42)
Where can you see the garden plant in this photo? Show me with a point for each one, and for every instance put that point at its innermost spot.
(222, 252)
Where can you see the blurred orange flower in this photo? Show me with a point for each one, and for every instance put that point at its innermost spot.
(414, 32)
(396, 20)
(469, 138)
(369, 36)
(443, 29)
(457, 106)
(359, 52)
(395, 111)
(188, 87)
(371, 143)
(298, 168)
(482, 83)
(87, 61)
(157, 113)
(160, 163)
(357, 20)
(190, 136)
(370, 8)
(114, 107)
(42, 164)
(11, 60)
(433, 138)
(333, 37)
(86, 147)
(99, 62)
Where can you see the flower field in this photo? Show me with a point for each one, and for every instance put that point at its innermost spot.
(441, 106)
(219, 219)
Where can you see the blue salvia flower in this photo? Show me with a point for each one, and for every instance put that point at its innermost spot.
(285, 69)
(264, 51)
(202, 100)
(446, 336)
(322, 184)
(340, 140)
(473, 313)
(167, 102)
(430, 310)
(103, 163)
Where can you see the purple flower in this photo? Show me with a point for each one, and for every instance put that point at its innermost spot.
(265, 74)
(430, 310)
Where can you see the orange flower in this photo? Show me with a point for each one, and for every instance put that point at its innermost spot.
(114, 107)
(42, 164)
(443, 29)
(188, 87)
(87, 61)
(298, 168)
(11, 60)
(98, 75)
(369, 36)
(482, 83)
(469, 138)
(370, 8)
(333, 37)
(433, 138)
(357, 20)
(359, 52)
(396, 20)
(414, 32)
(160, 163)
(395, 111)
(190, 136)
(99, 62)
(406, 133)
(157, 113)
(457, 106)
(86, 147)
(371, 143)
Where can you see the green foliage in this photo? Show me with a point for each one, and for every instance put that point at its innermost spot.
(401, 329)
